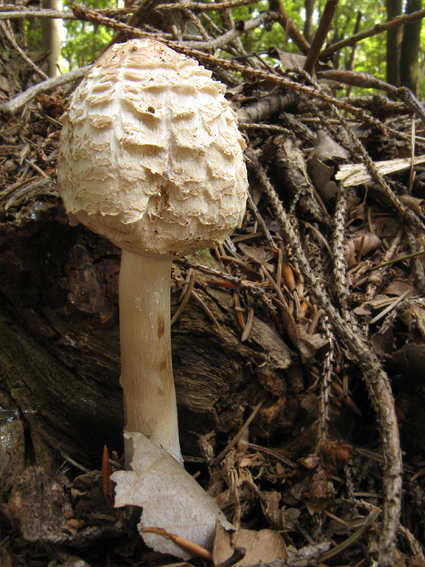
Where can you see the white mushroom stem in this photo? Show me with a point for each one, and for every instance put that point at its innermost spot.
(146, 367)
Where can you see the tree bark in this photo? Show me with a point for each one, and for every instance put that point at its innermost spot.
(51, 38)
(309, 24)
(350, 62)
(394, 38)
(59, 346)
(410, 46)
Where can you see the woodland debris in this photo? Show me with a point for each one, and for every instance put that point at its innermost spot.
(313, 462)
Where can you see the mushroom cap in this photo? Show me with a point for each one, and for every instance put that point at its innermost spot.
(150, 153)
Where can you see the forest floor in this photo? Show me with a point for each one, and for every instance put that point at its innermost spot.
(308, 325)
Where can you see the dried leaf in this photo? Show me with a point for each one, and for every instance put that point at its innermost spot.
(412, 314)
(320, 491)
(264, 546)
(306, 344)
(362, 311)
(336, 451)
(327, 148)
(409, 361)
(398, 287)
(289, 60)
(170, 497)
(270, 505)
(383, 342)
(363, 244)
(260, 255)
(310, 344)
(321, 175)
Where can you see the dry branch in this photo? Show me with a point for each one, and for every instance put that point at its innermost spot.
(12, 106)
(376, 30)
(319, 39)
(289, 26)
(375, 378)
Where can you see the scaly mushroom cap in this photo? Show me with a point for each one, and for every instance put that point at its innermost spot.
(150, 153)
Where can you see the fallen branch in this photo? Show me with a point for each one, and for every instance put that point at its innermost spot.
(375, 378)
(12, 106)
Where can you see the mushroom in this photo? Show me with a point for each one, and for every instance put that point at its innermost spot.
(151, 158)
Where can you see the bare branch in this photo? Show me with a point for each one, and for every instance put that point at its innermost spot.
(9, 35)
(376, 30)
(27, 14)
(321, 34)
(12, 106)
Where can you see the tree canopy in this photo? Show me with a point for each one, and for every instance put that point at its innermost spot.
(82, 40)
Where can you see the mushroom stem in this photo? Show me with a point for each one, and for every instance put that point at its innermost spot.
(146, 367)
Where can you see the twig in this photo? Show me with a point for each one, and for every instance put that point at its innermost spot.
(415, 547)
(396, 260)
(409, 99)
(189, 288)
(8, 33)
(351, 539)
(274, 453)
(201, 7)
(418, 268)
(203, 58)
(289, 26)
(321, 34)
(81, 12)
(197, 23)
(266, 106)
(207, 310)
(261, 222)
(226, 15)
(236, 438)
(179, 540)
(12, 12)
(375, 378)
(390, 307)
(27, 14)
(376, 30)
(325, 385)
(366, 81)
(338, 240)
(237, 31)
(406, 214)
(248, 325)
(12, 106)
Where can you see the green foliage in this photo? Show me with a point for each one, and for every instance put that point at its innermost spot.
(370, 53)
(84, 40)
(33, 34)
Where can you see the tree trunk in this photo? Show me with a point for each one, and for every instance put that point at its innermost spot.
(309, 24)
(350, 62)
(410, 47)
(51, 38)
(394, 38)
